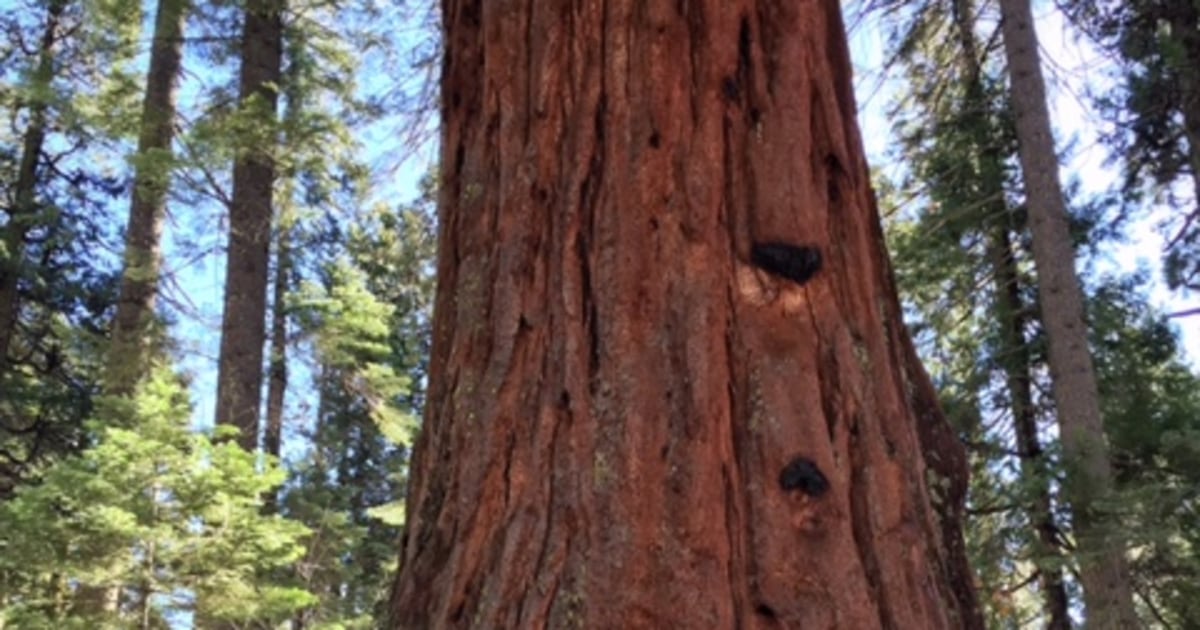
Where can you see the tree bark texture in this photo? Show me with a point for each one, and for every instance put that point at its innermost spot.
(132, 334)
(243, 325)
(277, 372)
(630, 423)
(1103, 572)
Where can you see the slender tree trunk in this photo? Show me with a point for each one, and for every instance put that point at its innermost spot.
(640, 415)
(243, 327)
(1018, 367)
(1104, 572)
(132, 335)
(23, 214)
(277, 374)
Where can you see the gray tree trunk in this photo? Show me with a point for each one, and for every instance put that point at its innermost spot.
(1009, 308)
(1104, 572)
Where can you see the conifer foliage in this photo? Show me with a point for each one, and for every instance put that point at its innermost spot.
(116, 510)
(962, 245)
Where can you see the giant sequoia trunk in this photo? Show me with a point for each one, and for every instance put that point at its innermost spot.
(1103, 570)
(650, 405)
(243, 324)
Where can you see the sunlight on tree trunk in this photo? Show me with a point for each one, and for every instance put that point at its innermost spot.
(132, 335)
(670, 387)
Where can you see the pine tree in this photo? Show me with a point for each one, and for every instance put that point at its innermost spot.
(1151, 405)
(155, 511)
(960, 255)
(370, 326)
(69, 90)
(1155, 111)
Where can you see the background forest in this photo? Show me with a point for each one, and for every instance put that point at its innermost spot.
(216, 275)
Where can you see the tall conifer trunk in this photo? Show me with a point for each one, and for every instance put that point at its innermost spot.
(243, 324)
(1185, 30)
(639, 415)
(132, 337)
(1104, 571)
(277, 372)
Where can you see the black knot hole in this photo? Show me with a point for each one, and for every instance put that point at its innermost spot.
(798, 263)
(803, 475)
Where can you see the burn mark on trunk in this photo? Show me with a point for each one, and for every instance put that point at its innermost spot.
(802, 474)
(798, 263)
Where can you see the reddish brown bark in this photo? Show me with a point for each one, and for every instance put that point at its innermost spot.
(616, 389)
